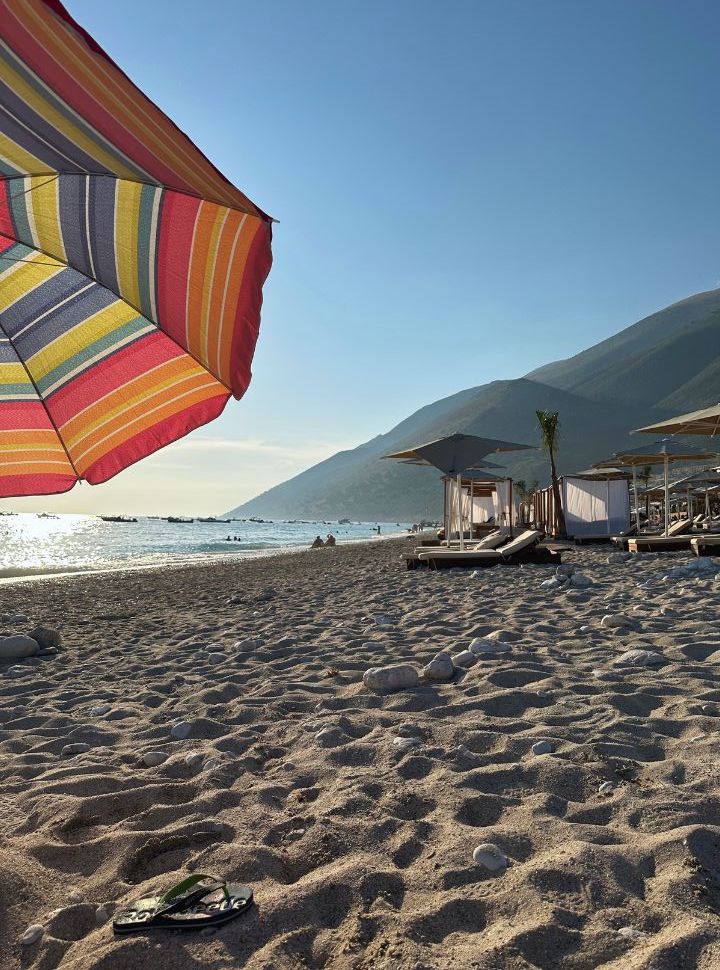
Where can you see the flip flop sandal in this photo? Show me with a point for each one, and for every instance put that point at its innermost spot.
(184, 907)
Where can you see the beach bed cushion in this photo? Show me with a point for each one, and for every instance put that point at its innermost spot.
(516, 547)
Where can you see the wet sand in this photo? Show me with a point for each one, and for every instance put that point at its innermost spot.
(354, 815)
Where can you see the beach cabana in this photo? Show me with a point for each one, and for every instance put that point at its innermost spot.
(484, 497)
(595, 508)
(455, 455)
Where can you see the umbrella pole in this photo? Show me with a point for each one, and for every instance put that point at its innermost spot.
(510, 510)
(688, 499)
(667, 498)
(637, 511)
(459, 508)
(446, 511)
(472, 511)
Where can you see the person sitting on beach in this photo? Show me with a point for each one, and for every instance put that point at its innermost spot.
(330, 540)
(318, 543)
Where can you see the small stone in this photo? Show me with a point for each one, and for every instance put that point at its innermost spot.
(490, 857)
(100, 709)
(440, 667)
(668, 611)
(581, 581)
(616, 620)
(331, 737)
(630, 933)
(405, 744)
(181, 730)
(502, 636)
(542, 747)
(17, 619)
(193, 759)
(483, 647)
(216, 658)
(32, 934)
(17, 645)
(79, 747)
(210, 764)
(47, 638)
(607, 788)
(154, 758)
(464, 659)
(101, 916)
(392, 677)
(566, 569)
(640, 658)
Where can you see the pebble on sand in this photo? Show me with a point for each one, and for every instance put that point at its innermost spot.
(616, 620)
(483, 646)
(154, 758)
(542, 747)
(440, 667)
(406, 744)
(16, 646)
(100, 709)
(47, 638)
(464, 659)
(490, 857)
(392, 677)
(79, 747)
(640, 658)
(607, 788)
(181, 730)
(32, 934)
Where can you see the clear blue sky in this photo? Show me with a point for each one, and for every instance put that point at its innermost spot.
(465, 190)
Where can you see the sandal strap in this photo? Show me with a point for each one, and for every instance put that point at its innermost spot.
(179, 898)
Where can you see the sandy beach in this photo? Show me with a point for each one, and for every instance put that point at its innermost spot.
(353, 814)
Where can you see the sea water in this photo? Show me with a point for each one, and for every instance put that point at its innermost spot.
(33, 544)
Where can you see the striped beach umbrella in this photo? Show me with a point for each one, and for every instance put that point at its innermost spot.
(131, 269)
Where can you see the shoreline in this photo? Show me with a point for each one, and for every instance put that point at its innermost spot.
(11, 575)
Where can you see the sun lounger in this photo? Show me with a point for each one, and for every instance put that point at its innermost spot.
(659, 543)
(521, 549)
(491, 541)
(680, 527)
(705, 545)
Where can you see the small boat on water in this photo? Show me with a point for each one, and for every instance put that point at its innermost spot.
(213, 519)
(117, 518)
(177, 519)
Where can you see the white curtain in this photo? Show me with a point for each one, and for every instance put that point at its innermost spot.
(501, 502)
(595, 508)
(484, 507)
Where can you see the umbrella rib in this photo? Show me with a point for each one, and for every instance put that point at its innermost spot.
(63, 262)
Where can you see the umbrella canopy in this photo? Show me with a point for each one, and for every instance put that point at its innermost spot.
(483, 463)
(703, 422)
(131, 269)
(603, 473)
(456, 453)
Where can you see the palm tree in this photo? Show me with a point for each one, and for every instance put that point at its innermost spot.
(549, 422)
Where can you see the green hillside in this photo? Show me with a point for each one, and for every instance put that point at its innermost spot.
(663, 364)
